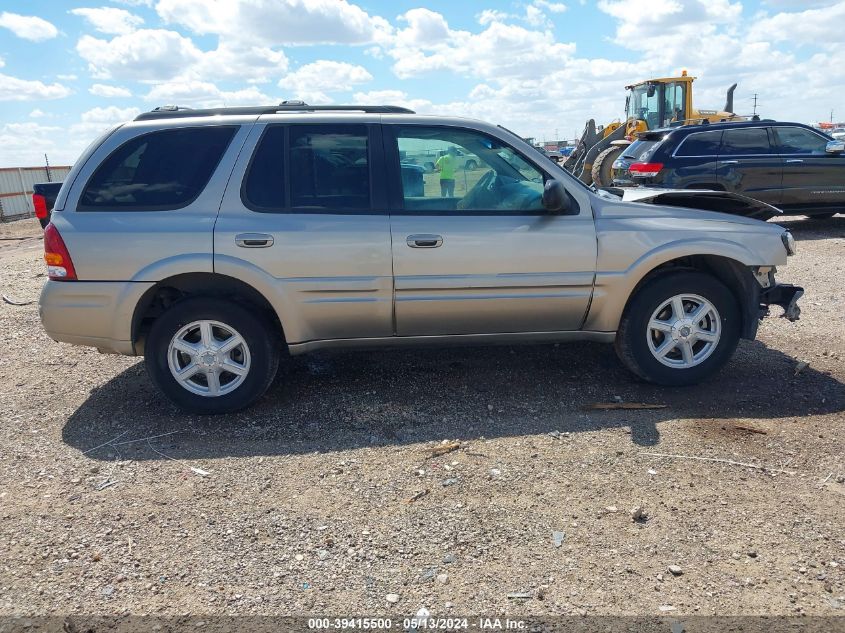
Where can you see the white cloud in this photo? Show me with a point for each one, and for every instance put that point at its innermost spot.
(103, 90)
(813, 26)
(110, 115)
(15, 89)
(243, 61)
(37, 114)
(313, 81)
(552, 7)
(392, 97)
(67, 77)
(135, 3)
(94, 122)
(147, 54)
(277, 22)
(500, 50)
(110, 20)
(28, 27)
(24, 144)
(205, 94)
(164, 55)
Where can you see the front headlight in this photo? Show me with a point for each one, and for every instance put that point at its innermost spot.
(788, 243)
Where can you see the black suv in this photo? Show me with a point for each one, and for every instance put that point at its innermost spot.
(788, 165)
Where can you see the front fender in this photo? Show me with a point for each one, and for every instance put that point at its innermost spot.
(613, 288)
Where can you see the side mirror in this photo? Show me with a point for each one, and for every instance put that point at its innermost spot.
(835, 147)
(652, 88)
(555, 198)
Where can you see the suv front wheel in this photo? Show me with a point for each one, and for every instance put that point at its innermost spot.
(679, 328)
(211, 356)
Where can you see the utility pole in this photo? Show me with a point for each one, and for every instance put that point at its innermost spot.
(831, 116)
(755, 104)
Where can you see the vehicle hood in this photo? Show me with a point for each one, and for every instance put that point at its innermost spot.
(705, 200)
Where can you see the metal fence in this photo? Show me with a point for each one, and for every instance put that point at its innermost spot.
(16, 188)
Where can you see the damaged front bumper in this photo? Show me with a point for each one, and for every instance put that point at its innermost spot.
(783, 295)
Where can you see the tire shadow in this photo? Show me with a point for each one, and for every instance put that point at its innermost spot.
(335, 402)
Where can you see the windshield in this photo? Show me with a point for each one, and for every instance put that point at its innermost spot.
(643, 107)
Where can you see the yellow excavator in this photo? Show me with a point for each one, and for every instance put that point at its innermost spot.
(650, 104)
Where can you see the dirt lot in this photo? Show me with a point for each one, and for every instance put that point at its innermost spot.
(299, 505)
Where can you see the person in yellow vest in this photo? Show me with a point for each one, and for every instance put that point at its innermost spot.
(446, 165)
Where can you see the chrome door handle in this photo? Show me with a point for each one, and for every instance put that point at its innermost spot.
(729, 162)
(794, 160)
(254, 240)
(424, 241)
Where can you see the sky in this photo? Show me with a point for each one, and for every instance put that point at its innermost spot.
(70, 70)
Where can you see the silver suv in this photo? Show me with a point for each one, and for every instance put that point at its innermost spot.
(210, 241)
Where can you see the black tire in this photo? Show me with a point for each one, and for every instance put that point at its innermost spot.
(821, 216)
(262, 341)
(632, 339)
(603, 165)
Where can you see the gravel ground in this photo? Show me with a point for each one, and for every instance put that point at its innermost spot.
(301, 504)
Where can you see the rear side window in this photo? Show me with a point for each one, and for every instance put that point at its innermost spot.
(796, 140)
(329, 167)
(640, 150)
(161, 170)
(700, 144)
(745, 141)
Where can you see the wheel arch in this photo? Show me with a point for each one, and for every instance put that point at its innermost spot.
(735, 275)
(171, 290)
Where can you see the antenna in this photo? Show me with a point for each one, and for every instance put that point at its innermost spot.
(47, 163)
(755, 104)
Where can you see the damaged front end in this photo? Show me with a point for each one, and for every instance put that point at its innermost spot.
(705, 200)
(773, 293)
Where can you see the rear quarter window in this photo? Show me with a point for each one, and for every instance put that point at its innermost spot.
(641, 150)
(700, 144)
(167, 169)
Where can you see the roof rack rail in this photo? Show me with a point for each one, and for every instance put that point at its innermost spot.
(174, 111)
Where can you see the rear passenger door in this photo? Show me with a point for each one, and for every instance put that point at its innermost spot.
(694, 161)
(813, 180)
(304, 222)
(749, 164)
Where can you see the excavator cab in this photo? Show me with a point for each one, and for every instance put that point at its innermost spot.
(659, 102)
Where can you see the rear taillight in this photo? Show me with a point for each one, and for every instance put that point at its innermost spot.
(39, 202)
(59, 263)
(642, 170)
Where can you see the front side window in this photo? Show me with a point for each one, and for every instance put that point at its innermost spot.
(700, 144)
(161, 170)
(457, 170)
(329, 167)
(796, 140)
(746, 141)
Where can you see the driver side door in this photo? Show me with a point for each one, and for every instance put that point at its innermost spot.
(481, 255)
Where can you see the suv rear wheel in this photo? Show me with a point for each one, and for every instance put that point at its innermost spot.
(679, 328)
(211, 356)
